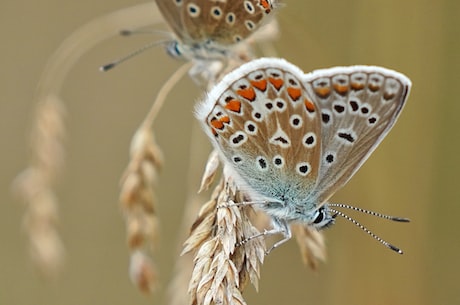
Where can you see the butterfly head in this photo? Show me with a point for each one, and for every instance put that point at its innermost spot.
(206, 51)
(322, 218)
(300, 211)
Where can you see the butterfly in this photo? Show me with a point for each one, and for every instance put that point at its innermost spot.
(213, 30)
(290, 140)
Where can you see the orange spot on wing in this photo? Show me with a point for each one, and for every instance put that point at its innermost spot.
(309, 105)
(341, 89)
(276, 82)
(294, 93)
(374, 88)
(357, 86)
(260, 84)
(233, 105)
(225, 119)
(388, 96)
(216, 123)
(266, 5)
(323, 91)
(247, 93)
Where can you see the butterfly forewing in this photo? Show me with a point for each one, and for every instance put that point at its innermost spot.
(359, 105)
(223, 22)
(171, 11)
(267, 129)
(239, 20)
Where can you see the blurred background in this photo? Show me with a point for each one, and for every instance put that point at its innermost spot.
(414, 172)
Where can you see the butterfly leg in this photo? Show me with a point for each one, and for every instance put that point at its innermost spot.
(279, 227)
(205, 71)
(231, 203)
(265, 233)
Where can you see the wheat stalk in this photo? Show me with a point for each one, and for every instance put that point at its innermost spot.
(138, 205)
(36, 184)
(36, 187)
(223, 262)
(137, 195)
(311, 244)
(222, 267)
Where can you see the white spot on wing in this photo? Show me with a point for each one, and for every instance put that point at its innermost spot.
(280, 138)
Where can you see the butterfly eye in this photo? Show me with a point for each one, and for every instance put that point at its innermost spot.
(319, 216)
(174, 49)
(322, 219)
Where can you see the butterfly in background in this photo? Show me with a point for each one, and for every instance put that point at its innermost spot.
(213, 32)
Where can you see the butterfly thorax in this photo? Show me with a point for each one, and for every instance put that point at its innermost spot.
(287, 200)
(298, 211)
(197, 51)
(210, 60)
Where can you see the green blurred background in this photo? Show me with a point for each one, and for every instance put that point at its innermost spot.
(414, 172)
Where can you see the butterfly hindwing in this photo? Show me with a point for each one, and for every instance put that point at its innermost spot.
(359, 105)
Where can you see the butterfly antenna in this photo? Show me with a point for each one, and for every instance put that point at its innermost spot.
(115, 63)
(383, 242)
(380, 215)
(127, 32)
